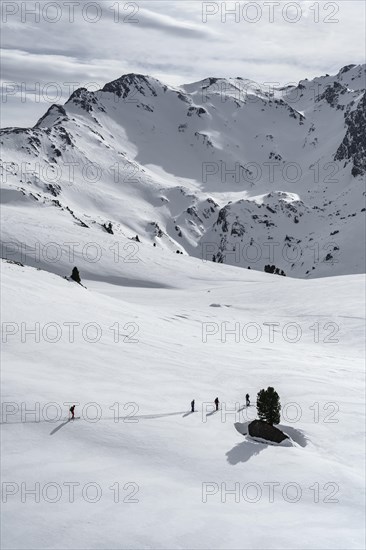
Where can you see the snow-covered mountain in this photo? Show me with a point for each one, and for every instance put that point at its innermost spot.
(221, 169)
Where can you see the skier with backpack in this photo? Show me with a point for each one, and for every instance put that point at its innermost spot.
(72, 410)
(217, 403)
(192, 406)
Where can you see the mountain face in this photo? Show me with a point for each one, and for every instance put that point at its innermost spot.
(222, 169)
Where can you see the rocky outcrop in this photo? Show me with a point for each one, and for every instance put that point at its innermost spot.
(353, 146)
(263, 430)
(130, 84)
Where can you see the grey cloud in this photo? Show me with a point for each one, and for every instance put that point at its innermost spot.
(173, 26)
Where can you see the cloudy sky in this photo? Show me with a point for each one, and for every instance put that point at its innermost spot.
(50, 48)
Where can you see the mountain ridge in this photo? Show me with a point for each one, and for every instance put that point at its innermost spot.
(182, 167)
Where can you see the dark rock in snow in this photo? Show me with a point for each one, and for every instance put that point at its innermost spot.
(353, 146)
(263, 430)
(130, 84)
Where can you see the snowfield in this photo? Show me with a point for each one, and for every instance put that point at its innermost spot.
(135, 469)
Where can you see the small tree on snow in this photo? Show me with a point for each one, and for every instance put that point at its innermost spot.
(75, 275)
(269, 406)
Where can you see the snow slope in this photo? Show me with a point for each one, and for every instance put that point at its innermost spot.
(168, 455)
(209, 168)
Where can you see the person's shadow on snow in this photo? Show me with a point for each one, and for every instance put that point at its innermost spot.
(244, 451)
(60, 426)
(64, 424)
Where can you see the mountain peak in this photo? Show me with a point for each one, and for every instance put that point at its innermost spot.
(132, 82)
(54, 112)
(346, 68)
